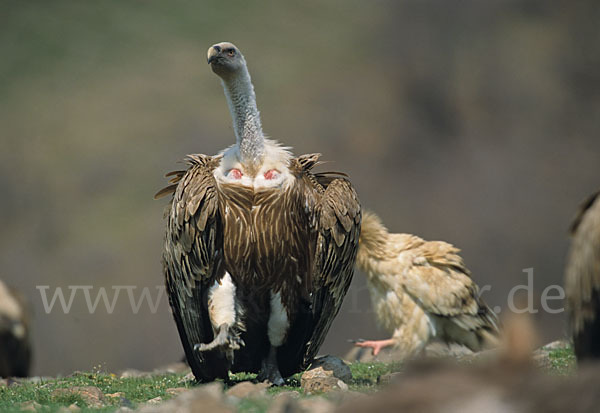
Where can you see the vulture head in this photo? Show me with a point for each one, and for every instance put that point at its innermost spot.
(225, 59)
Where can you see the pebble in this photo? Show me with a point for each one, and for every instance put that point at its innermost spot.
(247, 389)
(91, 395)
(335, 365)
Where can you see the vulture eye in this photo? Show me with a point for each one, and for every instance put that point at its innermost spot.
(230, 52)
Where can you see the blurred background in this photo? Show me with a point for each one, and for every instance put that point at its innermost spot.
(467, 121)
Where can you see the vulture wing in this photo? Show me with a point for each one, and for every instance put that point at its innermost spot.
(439, 282)
(582, 279)
(193, 259)
(434, 275)
(338, 218)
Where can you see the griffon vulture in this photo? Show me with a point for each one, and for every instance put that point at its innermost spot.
(259, 250)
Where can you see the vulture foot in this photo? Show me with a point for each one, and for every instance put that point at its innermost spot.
(226, 341)
(376, 345)
(270, 371)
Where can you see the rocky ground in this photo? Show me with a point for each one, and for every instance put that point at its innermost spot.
(329, 383)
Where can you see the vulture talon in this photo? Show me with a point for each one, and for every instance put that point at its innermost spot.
(269, 370)
(225, 341)
(375, 345)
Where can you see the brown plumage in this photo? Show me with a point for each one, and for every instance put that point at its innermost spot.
(15, 350)
(259, 250)
(421, 290)
(582, 280)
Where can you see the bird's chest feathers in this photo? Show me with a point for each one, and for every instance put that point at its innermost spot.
(266, 231)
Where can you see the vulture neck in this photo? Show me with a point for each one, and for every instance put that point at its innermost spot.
(246, 119)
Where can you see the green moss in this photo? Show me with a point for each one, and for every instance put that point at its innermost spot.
(141, 389)
(136, 390)
(366, 374)
(562, 361)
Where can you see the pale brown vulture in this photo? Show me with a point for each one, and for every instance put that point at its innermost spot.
(421, 291)
(259, 250)
(15, 350)
(582, 280)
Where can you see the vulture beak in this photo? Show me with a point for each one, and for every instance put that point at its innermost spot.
(213, 53)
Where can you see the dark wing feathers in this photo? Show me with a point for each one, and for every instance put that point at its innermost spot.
(192, 259)
(339, 217)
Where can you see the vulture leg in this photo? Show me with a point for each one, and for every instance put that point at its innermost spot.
(223, 317)
(376, 345)
(225, 340)
(269, 369)
(277, 330)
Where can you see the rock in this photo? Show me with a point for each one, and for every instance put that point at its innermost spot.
(176, 391)
(321, 381)
(91, 395)
(208, 397)
(343, 386)
(290, 393)
(348, 397)
(3, 382)
(214, 389)
(126, 402)
(123, 409)
(316, 405)
(178, 368)
(247, 389)
(129, 373)
(71, 409)
(37, 379)
(30, 406)
(483, 356)
(442, 350)
(155, 400)
(11, 381)
(541, 356)
(285, 402)
(556, 345)
(388, 378)
(188, 378)
(326, 374)
(120, 396)
(337, 366)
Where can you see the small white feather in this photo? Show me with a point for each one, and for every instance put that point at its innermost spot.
(278, 321)
(221, 302)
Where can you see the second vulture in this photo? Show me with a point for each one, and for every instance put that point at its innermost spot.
(15, 346)
(259, 250)
(421, 291)
(582, 280)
